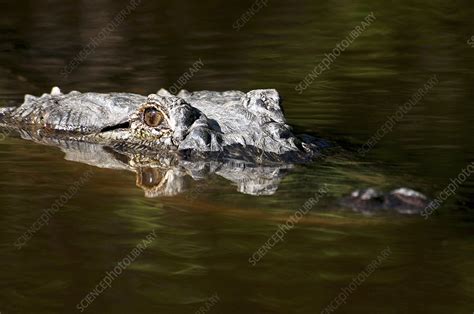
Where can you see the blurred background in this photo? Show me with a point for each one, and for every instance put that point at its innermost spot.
(203, 245)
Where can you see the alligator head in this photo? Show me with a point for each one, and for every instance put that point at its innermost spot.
(246, 126)
(160, 124)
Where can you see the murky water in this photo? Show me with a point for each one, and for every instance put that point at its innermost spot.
(203, 242)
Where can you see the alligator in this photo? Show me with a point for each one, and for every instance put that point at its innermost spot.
(250, 126)
(243, 137)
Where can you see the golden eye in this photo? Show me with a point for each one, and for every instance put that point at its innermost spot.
(152, 117)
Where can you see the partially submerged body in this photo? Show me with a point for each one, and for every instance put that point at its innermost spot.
(242, 137)
(198, 125)
(370, 201)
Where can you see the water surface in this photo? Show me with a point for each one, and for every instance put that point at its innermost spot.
(204, 242)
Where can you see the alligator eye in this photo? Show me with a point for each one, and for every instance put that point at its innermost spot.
(152, 117)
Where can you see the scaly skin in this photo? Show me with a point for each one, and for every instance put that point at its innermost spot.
(231, 124)
(242, 137)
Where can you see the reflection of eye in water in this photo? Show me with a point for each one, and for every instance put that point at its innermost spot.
(149, 177)
(157, 182)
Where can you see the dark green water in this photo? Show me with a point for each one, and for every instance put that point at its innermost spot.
(203, 243)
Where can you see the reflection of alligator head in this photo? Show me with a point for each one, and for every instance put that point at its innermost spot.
(166, 139)
(167, 175)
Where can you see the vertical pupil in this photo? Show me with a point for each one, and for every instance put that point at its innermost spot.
(152, 117)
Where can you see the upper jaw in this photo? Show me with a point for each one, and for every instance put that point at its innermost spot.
(134, 138)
